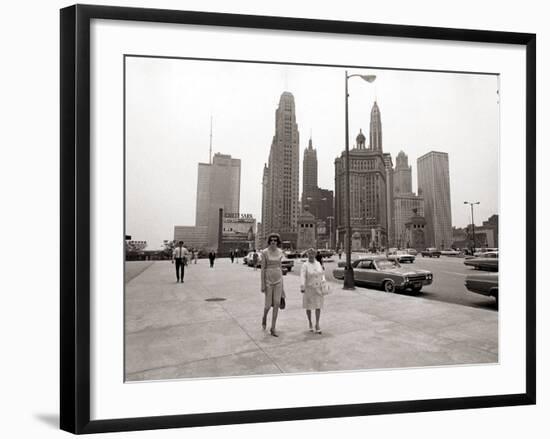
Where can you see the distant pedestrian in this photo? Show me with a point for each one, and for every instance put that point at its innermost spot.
(212, 257)
(319, 258)
(237, 252)
(232, 256)
(339, 253)
(312, 278)
(272, 280)
(196, 255)
(255, 257)
(179, 256)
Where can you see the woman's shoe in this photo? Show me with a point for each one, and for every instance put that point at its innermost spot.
(310, 327)
(273, 333)
(318, 331)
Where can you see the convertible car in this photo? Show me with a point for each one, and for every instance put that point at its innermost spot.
(381, 272)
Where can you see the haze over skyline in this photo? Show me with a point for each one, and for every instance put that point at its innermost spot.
(169, 103)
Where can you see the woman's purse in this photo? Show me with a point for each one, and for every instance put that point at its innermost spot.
(325, 287)
(282, 305)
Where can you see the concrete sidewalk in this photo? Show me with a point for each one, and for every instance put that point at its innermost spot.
(173, 332)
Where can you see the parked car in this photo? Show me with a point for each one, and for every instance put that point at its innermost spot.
(250, 259)
(450, 252)
(431, 252)
(487, 262)
(292, 254)
(401, 256)
(412, 251)
(384, 273)
(287, 264)
(483, 251)
(483, 283)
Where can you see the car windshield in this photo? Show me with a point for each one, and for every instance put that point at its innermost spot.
(385, 264)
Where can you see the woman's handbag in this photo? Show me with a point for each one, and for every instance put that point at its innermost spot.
(325, 287)
(282, 305)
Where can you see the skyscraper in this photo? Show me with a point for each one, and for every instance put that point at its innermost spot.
(434, 186)
(402, 175)
(404, 200)
(319, 202)
(280, 204)
(309, 186)
(370, 169)
(375, 128)
(203, 194)
(218, 186)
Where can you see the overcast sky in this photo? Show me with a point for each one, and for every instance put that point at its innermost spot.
(169, 103)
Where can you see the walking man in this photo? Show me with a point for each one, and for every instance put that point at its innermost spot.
(232, 255)
(212, 257)
(180, 257)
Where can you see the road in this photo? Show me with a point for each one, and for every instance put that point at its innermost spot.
(448, 285)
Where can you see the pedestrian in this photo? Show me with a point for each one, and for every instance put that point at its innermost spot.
(339, 253)
(212, 257)
(196, 255)
(319, 258)
(237, 252)
(272, 280)
(179, 256)
(255, 257)
(312, 278)
(232, 256)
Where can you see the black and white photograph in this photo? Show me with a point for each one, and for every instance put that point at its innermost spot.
(285, 218)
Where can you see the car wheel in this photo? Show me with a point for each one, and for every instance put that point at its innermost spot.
(416, 290)
(389, 286)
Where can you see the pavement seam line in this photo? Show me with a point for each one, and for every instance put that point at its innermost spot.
(251, 338)
(185, 363)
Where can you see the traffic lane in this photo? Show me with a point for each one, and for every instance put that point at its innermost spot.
(448, 284)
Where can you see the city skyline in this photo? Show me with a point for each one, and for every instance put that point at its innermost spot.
(158, 114)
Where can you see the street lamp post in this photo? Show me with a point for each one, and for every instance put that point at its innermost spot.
(473, 225)
(349, 282)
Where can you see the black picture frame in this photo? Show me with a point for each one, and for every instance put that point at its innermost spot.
(75, 217)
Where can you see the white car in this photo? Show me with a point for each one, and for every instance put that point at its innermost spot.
(450, 252)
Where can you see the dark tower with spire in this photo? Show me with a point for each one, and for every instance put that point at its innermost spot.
(375, 128)
(309, 186)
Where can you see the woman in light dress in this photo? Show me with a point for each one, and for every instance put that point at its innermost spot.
(272, 280)
(312, 277)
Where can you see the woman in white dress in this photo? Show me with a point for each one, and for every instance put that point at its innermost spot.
(272, 280)
(312, 276)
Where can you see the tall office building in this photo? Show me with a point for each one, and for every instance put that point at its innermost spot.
(404, 200)
(375, 128)
(434, 186)
(309, 184)
(203, 194)
(369, 194)
(402, 174)
(281, 177)
(218, 186)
